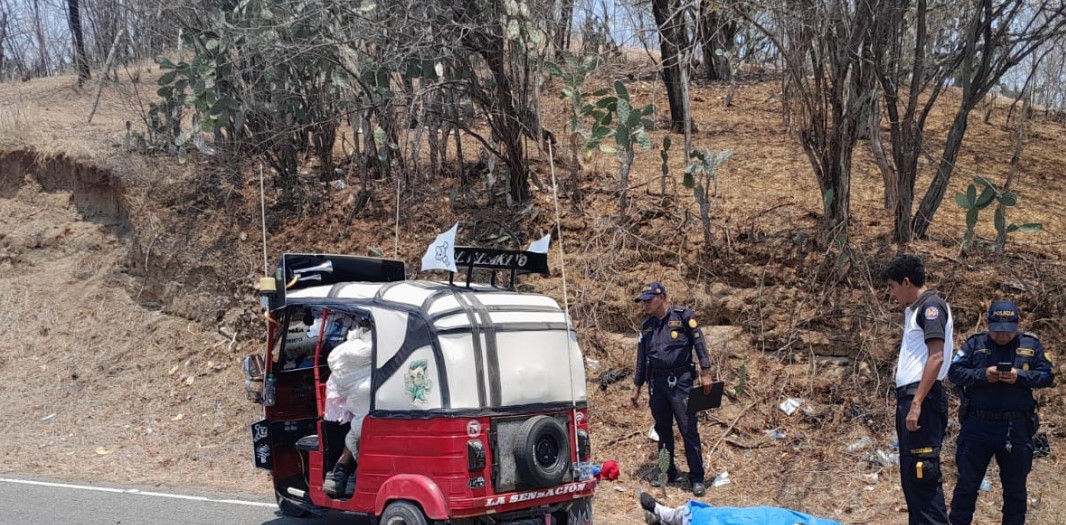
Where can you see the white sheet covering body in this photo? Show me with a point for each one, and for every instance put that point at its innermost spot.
(348, 386)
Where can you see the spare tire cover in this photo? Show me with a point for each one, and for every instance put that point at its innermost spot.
(542, 451)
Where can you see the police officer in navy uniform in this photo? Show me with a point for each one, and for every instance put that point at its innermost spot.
(664, 361)
(921, 404)
(997, 371)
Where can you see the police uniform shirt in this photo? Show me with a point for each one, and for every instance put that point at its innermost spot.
(1024, 352)
(926, 319)
(667, 343)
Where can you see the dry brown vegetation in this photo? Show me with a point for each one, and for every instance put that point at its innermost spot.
(125, 299)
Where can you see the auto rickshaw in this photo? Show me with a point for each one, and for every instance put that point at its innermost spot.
(477, 409)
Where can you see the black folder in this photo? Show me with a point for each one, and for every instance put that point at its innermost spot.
(698, 401)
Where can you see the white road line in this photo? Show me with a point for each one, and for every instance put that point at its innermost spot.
(137, 492)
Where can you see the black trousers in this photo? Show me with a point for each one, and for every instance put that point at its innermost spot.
(919, 457)
(668, 404)
(973, 457)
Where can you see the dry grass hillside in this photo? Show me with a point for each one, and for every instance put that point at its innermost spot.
(126, 305)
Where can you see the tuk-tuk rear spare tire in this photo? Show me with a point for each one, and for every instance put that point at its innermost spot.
(542, 451)
(402, 513)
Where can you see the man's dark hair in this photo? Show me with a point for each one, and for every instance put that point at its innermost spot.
(905, 267)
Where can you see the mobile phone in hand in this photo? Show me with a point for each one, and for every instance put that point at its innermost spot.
(1004, 367)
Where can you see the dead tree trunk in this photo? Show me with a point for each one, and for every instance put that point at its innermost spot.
(82, 61)
(42, 42)
(563, 27)
(717, 33)
(3, 37)
(672, 40)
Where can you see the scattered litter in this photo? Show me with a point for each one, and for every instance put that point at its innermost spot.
(613, 375)
(721, 479)
(871, 478)
(49, 416)
(652, 434)
(887, 459)
(592, 364)
(860, 414)
(861, 444)
(103, 451)
(894, 445)
(178, 417)
(339, 185)
(790, 405)
(986, 485)
(774, 433)
(619, 488)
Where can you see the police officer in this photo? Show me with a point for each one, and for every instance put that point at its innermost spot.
(998, 371)
(664, 361)
(921, 405)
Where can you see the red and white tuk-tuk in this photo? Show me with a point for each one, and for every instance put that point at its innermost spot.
(477, 410)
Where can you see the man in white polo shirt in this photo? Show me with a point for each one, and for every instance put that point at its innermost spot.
(921, 404)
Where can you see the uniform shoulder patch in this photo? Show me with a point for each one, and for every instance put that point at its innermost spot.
(932, 313)
(692, 323)
(1047, 355)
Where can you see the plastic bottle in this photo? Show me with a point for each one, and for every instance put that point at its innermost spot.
(986, 485)
(269, 387)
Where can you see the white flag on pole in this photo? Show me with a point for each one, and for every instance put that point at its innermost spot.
(540, 245)
(441, 254)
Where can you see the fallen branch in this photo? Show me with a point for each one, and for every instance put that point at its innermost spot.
(103, 77)
(622, 438)
(762, 444)
(730, 427)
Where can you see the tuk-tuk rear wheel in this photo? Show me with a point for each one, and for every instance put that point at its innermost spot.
(403, 513)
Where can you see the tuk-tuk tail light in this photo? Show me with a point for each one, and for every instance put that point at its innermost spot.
(475, 455)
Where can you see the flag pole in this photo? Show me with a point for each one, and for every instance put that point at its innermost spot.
(566, 309)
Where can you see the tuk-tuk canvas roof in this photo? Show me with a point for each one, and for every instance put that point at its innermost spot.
(472, 348)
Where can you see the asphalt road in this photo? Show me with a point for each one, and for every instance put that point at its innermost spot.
(25, 501)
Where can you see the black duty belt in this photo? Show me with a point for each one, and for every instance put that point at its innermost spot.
(912, 389)
(998, 415)
(667, 372)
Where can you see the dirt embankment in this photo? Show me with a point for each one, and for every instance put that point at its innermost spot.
(100, 381)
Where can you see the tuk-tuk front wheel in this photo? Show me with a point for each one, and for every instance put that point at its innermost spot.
(403, 513)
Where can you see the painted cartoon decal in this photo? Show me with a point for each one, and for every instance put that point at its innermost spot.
(417, 382)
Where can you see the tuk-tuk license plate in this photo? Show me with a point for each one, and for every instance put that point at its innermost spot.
(261, 444)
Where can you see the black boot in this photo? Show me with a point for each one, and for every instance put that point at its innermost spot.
(336, 481)
(647, 502)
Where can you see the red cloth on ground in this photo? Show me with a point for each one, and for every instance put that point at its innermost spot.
(609, 470)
